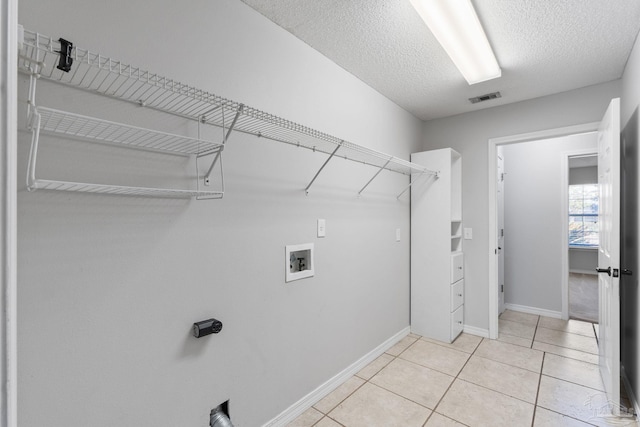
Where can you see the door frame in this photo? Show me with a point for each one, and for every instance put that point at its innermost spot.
(493, 143)
(8, 211)
(564, 206)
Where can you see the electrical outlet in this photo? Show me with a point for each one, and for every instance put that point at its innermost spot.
(468, 233)
(322, 228)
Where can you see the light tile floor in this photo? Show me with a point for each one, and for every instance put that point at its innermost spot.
(540, 372)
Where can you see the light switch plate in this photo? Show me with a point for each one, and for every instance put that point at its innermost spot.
(468, 233)
(322, 228)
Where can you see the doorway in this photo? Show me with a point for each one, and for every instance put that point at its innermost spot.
(608, 149)
(494, 143)
(532, 182)
(582, 215)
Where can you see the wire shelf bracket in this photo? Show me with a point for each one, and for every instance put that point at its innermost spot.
(434, 175)
(333, 153)
(224, 141)
(103, 75)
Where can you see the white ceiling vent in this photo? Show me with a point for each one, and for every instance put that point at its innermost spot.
(486, 97)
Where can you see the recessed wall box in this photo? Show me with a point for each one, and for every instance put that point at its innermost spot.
(298, 261)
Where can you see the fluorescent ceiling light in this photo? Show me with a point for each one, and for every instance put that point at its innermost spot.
(456, 26)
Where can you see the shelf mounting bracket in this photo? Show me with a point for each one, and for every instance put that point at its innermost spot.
(435, 175)
(207, 176)
(33, 152)
(374, 176)
(306, 190)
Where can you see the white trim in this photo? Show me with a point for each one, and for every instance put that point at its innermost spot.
(534, 310)
(493, 208)
(295, 410)
(8, 208)
(564, 213)
(546, 134)
(632, 397)
(492, 252)
(473, 330)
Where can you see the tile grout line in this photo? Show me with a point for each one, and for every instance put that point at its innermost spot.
(534, 340)
(365, 381)
(392, 392)
(454, 380)
(541, 374)
(535, 405)
(408, 361)
(574, 383)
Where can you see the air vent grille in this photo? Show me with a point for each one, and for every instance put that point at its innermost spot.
(486, 97)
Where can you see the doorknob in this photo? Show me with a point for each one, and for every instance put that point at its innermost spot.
(604, 270)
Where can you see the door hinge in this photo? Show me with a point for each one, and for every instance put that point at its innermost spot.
(502, 232)
(501, 288)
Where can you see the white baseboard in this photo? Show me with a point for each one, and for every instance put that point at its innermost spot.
(627, 386)
(295, 410)
(484, 333)
(534, 310)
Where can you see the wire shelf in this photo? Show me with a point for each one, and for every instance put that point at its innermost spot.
(109, 77)
(45, 184)
(79, 126)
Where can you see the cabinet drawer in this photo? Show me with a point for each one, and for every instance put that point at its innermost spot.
(457, 295)
(457, 270)
(457, 322)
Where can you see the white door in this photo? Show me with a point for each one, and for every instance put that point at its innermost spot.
(609, 251)
(500, 197)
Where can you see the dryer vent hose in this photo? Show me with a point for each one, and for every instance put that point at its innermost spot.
(219, 419)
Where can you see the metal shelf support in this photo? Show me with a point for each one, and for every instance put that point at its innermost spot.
(435, 175)
(374, 176)
(207, 176)
(306, 190)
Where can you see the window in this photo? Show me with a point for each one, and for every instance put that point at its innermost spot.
(583, 215)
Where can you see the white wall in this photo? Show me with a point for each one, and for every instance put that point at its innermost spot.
(583, 175)
(630, 256)
(468, 134)
(583, 261)
(534, 214)
(110, 286)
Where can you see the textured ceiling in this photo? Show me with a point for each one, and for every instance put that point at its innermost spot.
(542, 46)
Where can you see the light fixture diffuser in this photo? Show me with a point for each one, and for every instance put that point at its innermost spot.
(457, 28)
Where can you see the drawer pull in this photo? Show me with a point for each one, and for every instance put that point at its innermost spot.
(459, 295)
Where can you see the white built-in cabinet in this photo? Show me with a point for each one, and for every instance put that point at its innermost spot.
(437, 260)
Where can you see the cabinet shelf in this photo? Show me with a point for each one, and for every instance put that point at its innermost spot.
(109, 77)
